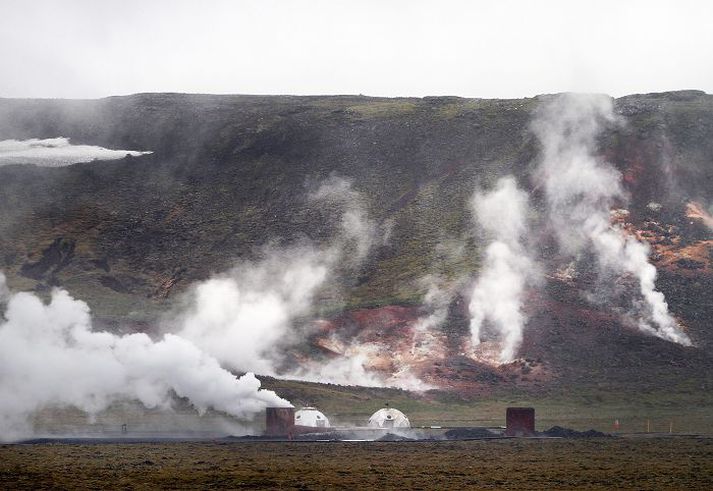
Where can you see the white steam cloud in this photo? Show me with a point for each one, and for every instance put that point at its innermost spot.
(56, 152)
(497, 296)
(359, 233)
(249, 317)
(246, 317)
(4, 290)
(51, 357)
(581, 190)
(363, 363)
(435, 302)
(698, 211)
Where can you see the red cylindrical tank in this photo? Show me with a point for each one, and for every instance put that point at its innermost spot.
(520, 421)
(280, 421)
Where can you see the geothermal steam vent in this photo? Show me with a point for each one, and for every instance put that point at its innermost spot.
(389, 417)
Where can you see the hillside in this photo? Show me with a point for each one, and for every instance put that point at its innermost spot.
(230, 175)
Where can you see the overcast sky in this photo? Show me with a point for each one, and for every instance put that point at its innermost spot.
(493, 48)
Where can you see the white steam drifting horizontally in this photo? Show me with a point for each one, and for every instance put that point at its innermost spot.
(50, 356)
(581, 190)
(56, 152)
(497, 294)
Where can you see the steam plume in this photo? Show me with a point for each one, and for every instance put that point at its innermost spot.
(4, 290)
(359, 364)
(248, 318)
(50, 356)
(436, 301)
(56, 152)
(698, 211)
(358, 232)
(581, 190)
(497, 295)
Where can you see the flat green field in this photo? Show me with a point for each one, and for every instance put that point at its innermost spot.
(616, 463)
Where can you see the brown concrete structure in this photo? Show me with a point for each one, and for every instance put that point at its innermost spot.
(280, 421)
(520, 421)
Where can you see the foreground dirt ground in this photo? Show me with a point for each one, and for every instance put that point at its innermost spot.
(622, 463)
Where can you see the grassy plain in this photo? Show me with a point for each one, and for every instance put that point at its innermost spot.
(683, 410)
(620, 463)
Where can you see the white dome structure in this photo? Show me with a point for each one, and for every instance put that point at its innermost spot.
(389, 417)
(309, 416)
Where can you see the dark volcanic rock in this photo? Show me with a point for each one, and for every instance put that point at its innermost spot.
(392, 437)
(469, 433)
(559, 432)
(55, 257)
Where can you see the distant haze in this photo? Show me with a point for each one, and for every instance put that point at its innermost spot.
(86, 48)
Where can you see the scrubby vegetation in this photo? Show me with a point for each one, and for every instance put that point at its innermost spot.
(673, 463)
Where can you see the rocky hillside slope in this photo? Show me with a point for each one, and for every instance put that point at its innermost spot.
(229, 175)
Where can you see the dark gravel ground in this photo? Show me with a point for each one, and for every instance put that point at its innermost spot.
(602, 463)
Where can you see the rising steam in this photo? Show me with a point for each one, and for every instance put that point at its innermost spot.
(435, 304)
(358, 232)
(248, 318)
(244, 319)
(582, 189)
(497, 294)
(359, 364)
(50, 356)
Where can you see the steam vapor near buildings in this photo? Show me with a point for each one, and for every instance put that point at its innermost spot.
(51, 356)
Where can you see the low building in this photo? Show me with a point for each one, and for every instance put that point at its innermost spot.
(311, 417)
(389, 417)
